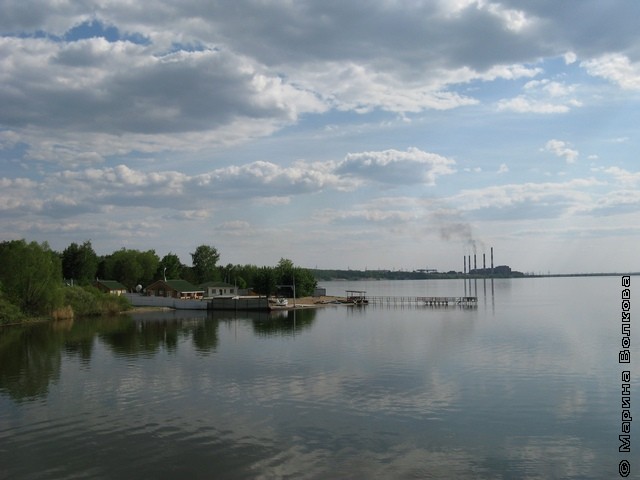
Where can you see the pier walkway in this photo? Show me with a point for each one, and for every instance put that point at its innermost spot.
(421, 301)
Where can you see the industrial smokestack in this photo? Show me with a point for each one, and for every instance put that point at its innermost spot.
(469, 263)
(464, 259)
(491, 260)
(475, 265)
(484, 261)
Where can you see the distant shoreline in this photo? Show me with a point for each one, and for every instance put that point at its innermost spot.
(374, 275)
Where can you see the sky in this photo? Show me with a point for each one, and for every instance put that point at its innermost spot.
(387, 134)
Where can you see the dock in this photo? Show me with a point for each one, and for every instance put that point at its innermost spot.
(358, 297)
(391, 301)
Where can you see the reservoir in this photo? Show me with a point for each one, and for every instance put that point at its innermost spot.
(526, 385)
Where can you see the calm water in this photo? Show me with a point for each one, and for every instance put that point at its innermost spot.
(525, 386)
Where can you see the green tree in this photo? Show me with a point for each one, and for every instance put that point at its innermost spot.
(9, 313)
(80, 262)
(265, 281)
(285, 271)
(149, 262)
(170, 267)
(288, 274)
(205, 259)
(31, 276)
(123, 266)
(305, 282)
(131, 267)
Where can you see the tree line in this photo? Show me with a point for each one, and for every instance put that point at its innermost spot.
(35, 280)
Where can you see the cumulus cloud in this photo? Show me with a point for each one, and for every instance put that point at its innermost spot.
(194, 73)
(162, 76)
(561, 149)
(99, 188)
(622, 176)
(408, 167)
(17, 196)
(542, 96)
(93, 85)
(165, 110)
(529, 200)
(365, 215)
(616, 68)
(124, 185)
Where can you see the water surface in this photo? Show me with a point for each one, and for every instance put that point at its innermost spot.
(526, 385)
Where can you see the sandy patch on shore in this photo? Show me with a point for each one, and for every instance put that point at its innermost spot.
(323, 300)
(148, 309)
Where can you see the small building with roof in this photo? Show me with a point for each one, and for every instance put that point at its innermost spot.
(218, 289)
(111, 287)
(174, 289)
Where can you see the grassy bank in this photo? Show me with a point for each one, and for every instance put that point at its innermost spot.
(89, 301)
(74, 302)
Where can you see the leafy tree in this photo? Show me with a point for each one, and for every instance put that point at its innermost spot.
(189, 274)
(9, 313)
(205, 259)
(80, 262)
(149, 262)
(285, 271)
(228, 273)
(131, 267)
(266, 281)
(246, 275)
(123, 266)
(288, 274)
(170, 267)
(31, 276)
(305, 282)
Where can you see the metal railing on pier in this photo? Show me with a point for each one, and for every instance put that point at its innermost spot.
(399, 301)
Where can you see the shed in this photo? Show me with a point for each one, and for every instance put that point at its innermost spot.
(110, 286)
(320, 292)
(217, 289)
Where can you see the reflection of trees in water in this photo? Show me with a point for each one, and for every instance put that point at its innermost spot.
(31, 356)
(205, 336)
(284, 323)
(143, 337)
(29, 360)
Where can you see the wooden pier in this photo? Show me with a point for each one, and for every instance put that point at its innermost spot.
(358, 297)
(391, 301)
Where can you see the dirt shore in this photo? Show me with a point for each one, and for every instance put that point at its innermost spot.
(315, 301)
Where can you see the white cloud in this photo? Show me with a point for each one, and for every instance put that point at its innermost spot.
(622, 176)
(93, 189)
(365, 215)
(275, 200)
(18, 196)
(397, 167)
(522, 104)
(529, 200)
(561, 149)
(109, 90)
(616, 68)
(265, 75)
(193, 113)
(553, 89)
(515, 20)
(542, 96)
